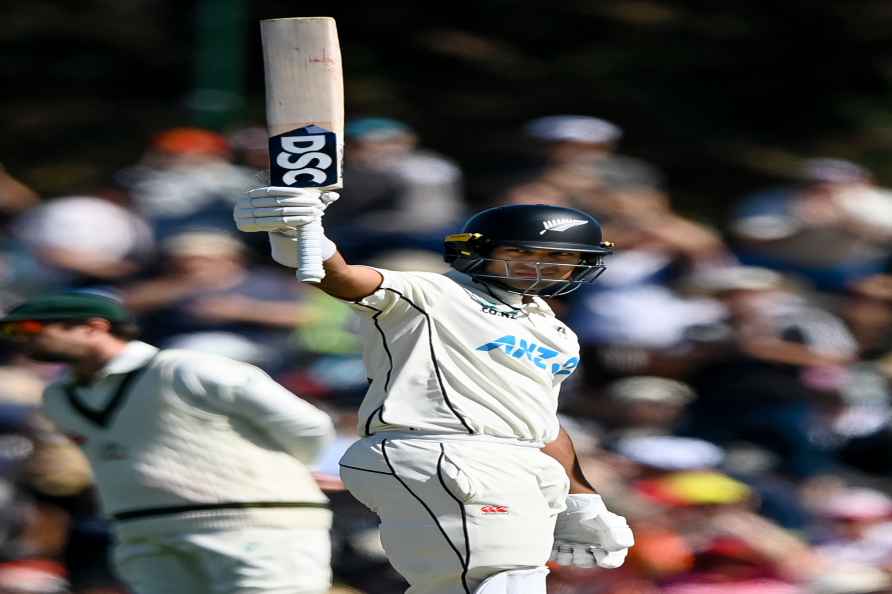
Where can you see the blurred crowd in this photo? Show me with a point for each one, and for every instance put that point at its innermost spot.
(734, 395)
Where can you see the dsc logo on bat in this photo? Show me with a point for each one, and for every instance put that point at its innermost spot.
(304, 158)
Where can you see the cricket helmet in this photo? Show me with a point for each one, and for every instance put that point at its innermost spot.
(530, 227)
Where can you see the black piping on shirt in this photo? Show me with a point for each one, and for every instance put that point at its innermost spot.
(430, 338)
(378, 312)
(103, 417)
(380, 409)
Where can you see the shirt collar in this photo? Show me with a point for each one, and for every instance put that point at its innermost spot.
(513, 300)
(135, 355)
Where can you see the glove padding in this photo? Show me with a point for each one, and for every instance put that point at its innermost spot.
(280, 210)
(587, 534)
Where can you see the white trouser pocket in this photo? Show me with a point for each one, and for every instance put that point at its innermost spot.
(455, 479)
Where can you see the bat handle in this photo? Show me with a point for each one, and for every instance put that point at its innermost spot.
(309, 241)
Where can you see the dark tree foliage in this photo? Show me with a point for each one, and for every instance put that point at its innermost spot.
(723, 96)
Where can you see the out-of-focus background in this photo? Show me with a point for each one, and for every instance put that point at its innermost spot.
(734, 394)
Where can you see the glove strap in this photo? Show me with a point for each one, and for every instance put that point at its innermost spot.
(585, 501)
(328, 248)
(284, 249)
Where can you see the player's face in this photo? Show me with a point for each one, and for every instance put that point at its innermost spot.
(527, 268)
(52, 342)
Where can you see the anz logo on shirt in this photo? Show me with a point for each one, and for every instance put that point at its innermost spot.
(540, 356)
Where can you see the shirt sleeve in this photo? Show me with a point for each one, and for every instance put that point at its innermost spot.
(401, 292)
(245, 391)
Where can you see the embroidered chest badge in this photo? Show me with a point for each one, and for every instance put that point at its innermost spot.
(494, 509)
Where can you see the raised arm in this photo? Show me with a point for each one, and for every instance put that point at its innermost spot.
(348, 281)
(279, 212)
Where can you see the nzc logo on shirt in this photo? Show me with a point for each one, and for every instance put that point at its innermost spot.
(520, 348)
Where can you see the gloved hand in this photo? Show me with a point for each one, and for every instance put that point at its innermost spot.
(587, 534)
(280, 210)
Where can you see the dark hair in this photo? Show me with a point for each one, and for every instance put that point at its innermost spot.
(125, 330)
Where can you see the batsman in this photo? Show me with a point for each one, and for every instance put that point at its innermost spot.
(462, 455)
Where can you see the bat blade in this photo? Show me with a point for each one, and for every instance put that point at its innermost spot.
(304, 115)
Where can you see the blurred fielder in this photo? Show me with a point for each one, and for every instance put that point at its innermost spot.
(200, 461)
(462, 456)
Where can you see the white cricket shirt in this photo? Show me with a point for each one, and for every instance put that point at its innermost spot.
(445, 354)
(184, 441)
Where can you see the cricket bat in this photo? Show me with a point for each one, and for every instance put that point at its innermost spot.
(304, 116)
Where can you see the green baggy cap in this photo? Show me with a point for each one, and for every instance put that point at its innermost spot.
(69, 306)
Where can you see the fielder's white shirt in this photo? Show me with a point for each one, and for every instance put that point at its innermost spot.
(445, 354)
(198, 431)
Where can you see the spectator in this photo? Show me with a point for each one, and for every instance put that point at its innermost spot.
(186, 178)
(580, 158)
(206, 287)
(833, 228)
(531, 190)
(250, 147)
(643, 405)
(15, 197)
(64, 236)
(400, 195)
(857, 524)
(633, 322)
(753, 378)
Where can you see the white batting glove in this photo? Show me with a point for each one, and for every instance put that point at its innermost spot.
(587, 534)
(280, 210)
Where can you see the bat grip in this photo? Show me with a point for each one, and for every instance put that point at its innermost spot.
(309, 242)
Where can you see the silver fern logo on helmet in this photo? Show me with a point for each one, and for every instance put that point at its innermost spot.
(560, 225)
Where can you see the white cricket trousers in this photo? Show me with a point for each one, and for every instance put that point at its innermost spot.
(245, 561)
(456, 510)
